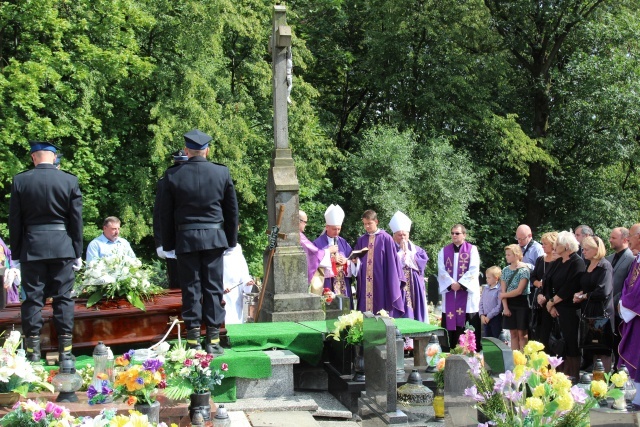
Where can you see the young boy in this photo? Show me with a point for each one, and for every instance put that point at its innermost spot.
(490, 306)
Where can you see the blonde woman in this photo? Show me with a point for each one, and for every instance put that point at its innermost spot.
(540, 318)
(514, 284)
(596, 294)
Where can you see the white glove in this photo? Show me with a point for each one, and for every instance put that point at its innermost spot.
(11, 276)
(160, 252)
(170, 254)
(77, 265)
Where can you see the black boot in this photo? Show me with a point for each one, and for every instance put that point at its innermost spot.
(212, 344)
(33, 349)
(64, 348)
(193, 339)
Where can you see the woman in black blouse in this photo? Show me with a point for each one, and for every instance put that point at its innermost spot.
(596, 294)
(559, 286)
(541, 317)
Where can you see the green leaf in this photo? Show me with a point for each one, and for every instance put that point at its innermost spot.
(135, 301)
(94, 298)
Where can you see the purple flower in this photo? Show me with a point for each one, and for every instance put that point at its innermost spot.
(49, 407)
(129, 354)
(513, 396)
(476, 366)
(39, 414)
(578, 394)
(504, 380)
(91, 392)
(140, 380)
(554, 362)
(473, 393)
(152, 365)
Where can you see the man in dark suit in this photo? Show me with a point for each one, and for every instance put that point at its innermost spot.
(199, 216)
(179, 157)
(621, 261)
(45, 227)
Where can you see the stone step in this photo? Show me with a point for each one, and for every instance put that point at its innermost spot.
(279, 384)
(282, 419)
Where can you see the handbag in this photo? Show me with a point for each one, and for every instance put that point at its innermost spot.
(556, 340)
(593, 326)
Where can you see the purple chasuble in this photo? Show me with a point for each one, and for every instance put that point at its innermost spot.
(629, 347)
(385, 278)
(314, 256)
(344, 249)
(12, 291)
(456, 302)
(413, 292)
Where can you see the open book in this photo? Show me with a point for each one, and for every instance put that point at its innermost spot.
(359, 253)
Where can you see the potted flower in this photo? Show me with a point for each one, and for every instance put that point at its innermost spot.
(17, 374)
(534, 393)
(138, 386)
(116, 276)
(191, 375)
(438, 398)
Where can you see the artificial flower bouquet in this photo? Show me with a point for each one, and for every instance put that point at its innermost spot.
(534, 394)
(116, 276)
(17, 374)
(138, 383)
(190, 371)
(33, 413)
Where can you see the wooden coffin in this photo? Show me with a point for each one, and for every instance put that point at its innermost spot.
(113, 322)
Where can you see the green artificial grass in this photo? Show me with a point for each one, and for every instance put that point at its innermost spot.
(305, 342)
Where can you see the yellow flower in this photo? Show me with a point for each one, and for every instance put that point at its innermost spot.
(540, 390)
(619, 379)
(565, 401)
(532, 347)
(598, 388)
(518, 371)
(561, 383)
(519, 358)
(534, 404)
(119, 421)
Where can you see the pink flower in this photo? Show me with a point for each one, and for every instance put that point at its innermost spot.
(49, 407)
(57, 412)
(204, 364)
(468, 341)
(188, 362)
(39, 414)
(224, 367)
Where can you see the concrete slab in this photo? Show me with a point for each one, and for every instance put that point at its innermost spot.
(338, 423)
(239, 419)
(297, 402)
(282, 419)
(329, 406)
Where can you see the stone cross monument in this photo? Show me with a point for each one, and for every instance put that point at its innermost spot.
(286, 295)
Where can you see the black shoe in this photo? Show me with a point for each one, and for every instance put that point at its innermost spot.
(33, 349)
(64, 348)
(193, 339)
(212, 343)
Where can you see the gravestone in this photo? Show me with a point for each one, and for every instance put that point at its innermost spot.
(378, 403)
(459, 410)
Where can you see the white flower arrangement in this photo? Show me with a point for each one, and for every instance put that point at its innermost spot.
(17, 374)
(116, 276)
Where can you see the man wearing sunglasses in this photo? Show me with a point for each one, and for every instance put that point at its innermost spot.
(458, 272)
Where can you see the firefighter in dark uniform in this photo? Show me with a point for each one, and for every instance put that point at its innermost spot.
(179, 157)
(199, 214)
(45, 228)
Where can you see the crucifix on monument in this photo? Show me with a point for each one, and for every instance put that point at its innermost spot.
(286, 296)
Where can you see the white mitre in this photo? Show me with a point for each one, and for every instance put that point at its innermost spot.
(334, 215)
(400, 222)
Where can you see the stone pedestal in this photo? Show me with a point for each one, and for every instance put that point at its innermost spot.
(280, 383)
(609, 417)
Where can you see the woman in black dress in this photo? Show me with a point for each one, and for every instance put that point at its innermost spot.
(559, 286)
(541, 320)
(596, 295)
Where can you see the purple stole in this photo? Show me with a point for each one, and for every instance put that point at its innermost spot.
(456, 302)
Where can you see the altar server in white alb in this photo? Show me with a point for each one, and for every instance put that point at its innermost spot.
(414, 260)
(237, 281)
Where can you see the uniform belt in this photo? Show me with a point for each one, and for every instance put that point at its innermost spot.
(47, 227)
(201, 226)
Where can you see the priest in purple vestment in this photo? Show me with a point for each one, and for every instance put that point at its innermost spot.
(458, 272)
(629, 308)
(379, 272)
(316, 258)
(337, 277)
(413, 259)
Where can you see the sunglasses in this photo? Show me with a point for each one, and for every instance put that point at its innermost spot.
(456, 233)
